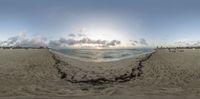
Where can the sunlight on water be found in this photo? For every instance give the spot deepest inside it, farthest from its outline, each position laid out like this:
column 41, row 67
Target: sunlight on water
column 99, row 55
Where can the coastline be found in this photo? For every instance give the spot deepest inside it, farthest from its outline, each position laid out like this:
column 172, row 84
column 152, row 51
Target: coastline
column 90, row 73
column 37, row 73
column 91, row 60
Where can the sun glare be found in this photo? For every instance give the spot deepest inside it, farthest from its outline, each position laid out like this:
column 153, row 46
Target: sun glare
column 100, row 33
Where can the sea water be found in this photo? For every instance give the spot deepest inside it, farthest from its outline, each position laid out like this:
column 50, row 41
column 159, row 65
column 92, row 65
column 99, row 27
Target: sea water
column 99, row 55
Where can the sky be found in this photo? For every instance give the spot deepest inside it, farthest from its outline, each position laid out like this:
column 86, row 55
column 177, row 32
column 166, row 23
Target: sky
column 100, row 23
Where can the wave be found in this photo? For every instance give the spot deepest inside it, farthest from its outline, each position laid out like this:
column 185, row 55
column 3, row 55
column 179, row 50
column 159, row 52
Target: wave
column 102, row 54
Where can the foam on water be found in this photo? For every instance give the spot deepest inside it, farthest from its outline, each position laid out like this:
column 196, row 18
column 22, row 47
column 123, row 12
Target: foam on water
column 99, row 55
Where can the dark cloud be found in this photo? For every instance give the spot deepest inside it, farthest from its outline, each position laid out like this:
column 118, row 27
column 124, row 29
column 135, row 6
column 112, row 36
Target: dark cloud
column 101, row 42
column 54, row 43
column 67, row 41
column 134, row 42
column 77, row 35
column 72, row 35
column 90, row 41
column 113, row 43
column 143, row 42
column 11, row 40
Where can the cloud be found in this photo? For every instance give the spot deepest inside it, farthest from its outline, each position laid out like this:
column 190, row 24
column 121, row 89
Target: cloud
column 1, row 43
column 22, row 41
column 11, row 40
column 187, row 43
column 72, row 35
column 81, row 35
column 22, row 35
column 113, row 43
column 84, row 41
column 134, row 42
column 36, row 41
column 197, row 43
column 143, row 42
column 140, row 42
column 87, row 40
column 55, row 43
column 74, row 40
column 67, row 41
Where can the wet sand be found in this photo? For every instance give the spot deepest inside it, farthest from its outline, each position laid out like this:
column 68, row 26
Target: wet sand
column 39, row 73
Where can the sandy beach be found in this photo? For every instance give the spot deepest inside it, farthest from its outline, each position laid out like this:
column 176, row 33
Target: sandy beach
column 40, row 73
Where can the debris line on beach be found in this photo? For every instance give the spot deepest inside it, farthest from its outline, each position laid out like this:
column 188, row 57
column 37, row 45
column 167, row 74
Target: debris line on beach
column 136, row 71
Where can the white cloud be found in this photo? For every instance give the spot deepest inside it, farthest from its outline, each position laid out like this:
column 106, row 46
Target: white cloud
column 183, row 43
column 72, row 41
column 22, row 41
column 83, row 42
column 140, row 42
column 36, row 41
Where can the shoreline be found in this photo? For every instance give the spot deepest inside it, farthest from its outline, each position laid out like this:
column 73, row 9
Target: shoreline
column 109, row 60
column 38, row 73
column 136, row 71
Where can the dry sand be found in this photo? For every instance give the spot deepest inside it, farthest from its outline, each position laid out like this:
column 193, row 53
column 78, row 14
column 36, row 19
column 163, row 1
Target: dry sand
column 37, row 73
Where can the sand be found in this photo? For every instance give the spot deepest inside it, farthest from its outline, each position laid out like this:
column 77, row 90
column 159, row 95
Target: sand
column 96, row 73
column 39, row 73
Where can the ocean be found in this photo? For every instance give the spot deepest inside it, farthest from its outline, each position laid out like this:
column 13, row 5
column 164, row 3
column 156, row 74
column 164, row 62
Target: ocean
column 100, row 55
